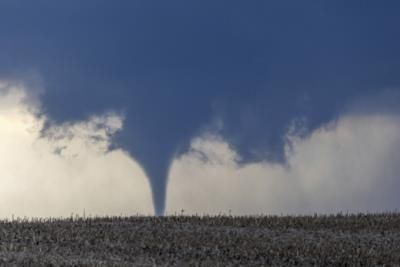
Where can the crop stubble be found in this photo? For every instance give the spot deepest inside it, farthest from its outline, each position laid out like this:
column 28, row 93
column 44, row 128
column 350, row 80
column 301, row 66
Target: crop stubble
column 352, row 240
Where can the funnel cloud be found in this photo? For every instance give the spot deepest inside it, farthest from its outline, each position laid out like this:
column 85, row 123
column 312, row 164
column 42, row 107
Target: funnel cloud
column 176, row 70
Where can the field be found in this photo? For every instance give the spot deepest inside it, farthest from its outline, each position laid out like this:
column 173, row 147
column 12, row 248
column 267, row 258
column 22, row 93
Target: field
column 347, row 240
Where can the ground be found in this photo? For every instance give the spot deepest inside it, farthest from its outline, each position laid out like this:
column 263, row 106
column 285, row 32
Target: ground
column 347, row 240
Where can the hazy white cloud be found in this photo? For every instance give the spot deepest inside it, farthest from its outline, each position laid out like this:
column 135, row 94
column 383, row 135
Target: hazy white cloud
column 349, row 165
column 68, row 170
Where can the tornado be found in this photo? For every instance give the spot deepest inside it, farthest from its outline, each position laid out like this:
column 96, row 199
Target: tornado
column 173, row 68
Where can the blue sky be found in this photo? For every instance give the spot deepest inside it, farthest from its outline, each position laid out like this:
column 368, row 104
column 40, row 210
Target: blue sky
column 177, row 69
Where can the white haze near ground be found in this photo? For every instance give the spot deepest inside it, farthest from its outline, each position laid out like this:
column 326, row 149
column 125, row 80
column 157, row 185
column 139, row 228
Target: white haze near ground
column 68, row 171
column 347, row 165
column 351, row 165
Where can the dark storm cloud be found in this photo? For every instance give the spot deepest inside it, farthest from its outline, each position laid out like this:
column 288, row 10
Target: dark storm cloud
column 173, row 67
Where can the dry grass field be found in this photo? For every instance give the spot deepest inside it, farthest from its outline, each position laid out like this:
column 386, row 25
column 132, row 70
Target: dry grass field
column 337, row 240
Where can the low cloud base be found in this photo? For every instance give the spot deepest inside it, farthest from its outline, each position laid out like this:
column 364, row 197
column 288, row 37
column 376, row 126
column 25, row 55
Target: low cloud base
column 350, row 165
